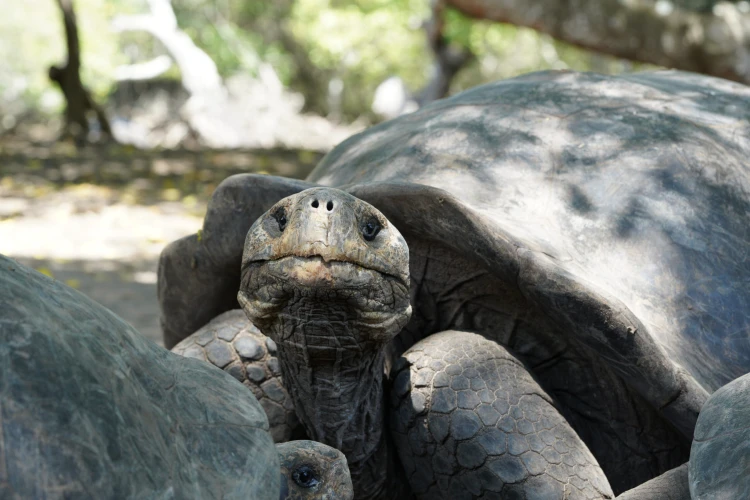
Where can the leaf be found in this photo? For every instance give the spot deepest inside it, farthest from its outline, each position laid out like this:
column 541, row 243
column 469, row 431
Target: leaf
column 170, row 194
column 45, row 271
column 73, row 283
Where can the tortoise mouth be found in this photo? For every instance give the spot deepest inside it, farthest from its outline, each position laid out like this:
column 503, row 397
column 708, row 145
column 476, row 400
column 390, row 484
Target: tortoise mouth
column 305, row 289
column 316, row 270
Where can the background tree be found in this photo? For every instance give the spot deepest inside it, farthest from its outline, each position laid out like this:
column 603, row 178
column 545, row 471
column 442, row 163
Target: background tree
column 335, row 53
column 79, row 102
column 705, row 36
column 449, row 58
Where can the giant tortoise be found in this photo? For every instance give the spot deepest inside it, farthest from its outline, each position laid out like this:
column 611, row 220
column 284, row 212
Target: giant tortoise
column 91, row 409
column 527, row 290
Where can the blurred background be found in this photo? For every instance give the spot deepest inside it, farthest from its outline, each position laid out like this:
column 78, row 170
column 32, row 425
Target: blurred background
column 118, row 118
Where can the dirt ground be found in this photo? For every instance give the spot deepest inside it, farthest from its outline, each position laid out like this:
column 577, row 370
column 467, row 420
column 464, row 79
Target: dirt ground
column 98, row 219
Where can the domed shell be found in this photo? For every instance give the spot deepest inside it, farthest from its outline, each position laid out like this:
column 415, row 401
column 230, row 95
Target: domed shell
column 89, row 408
column 635, row 188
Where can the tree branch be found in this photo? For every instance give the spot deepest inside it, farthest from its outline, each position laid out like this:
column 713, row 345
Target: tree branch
column 449, row 60
column 714, row 42
column 199, row 73
column 144, row 71
column 71, row 34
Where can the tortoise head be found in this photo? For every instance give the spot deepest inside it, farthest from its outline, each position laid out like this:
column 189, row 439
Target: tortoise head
column 314, row 471
column 322, row 257
column 326, row 276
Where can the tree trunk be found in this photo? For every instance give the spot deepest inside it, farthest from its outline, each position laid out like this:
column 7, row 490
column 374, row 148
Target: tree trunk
column 77, row 98
column 712, row 41
column 449, row 60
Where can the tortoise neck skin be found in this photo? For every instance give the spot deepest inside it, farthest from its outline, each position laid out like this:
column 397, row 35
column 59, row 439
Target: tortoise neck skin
column 326, row 277
column 336, row 382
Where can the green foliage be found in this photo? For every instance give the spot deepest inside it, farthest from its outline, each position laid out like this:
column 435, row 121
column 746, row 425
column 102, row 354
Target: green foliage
column 375, row 38
column 239, row 35
column 505, row 51
column 363, row 43
column 31, row 44
column 308, row 42
column 27, row 49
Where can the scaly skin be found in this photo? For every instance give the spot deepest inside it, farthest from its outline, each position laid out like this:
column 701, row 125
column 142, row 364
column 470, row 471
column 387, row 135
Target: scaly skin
column 235, row 345
column 332, row 300
column 469, row 421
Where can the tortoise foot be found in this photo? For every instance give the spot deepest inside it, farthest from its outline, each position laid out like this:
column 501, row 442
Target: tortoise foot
column 469, row 421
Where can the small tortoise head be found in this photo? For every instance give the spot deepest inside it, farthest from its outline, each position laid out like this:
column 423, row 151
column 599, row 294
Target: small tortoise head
column 313, row 471
column 324, row 246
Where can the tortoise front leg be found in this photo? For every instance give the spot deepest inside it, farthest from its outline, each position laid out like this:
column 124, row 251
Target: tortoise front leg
column 231, row 342
column 469, row 421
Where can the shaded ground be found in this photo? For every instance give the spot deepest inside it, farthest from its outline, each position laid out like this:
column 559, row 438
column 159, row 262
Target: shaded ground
column 97, row 219
column 127, row 288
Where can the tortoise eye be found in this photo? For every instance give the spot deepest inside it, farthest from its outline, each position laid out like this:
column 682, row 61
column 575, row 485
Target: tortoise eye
column 305, row 476
column 370, row 228
column 280, row 216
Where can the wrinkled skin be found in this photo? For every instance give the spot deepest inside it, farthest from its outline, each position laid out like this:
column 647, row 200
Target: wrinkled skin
column 313, row 471
column 331, row 300
column 672, row 485
column 235, row 345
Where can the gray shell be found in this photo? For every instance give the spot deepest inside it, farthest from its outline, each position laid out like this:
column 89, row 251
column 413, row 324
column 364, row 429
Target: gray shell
column 629, row 192
column 91, row 409
column 720, row 456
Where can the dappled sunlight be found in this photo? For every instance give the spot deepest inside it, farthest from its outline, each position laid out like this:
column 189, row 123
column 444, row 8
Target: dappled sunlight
column 585, row 220
column 106, row 249
column 637, row 186
column 126, row 287
column 97, row 219
column 90, row 229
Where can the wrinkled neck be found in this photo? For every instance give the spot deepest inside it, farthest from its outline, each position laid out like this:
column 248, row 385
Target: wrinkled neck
column 335, row 378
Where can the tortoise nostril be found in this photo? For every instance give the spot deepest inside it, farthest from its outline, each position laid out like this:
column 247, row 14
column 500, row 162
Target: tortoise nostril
column 329, row 206
column 315, row 204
